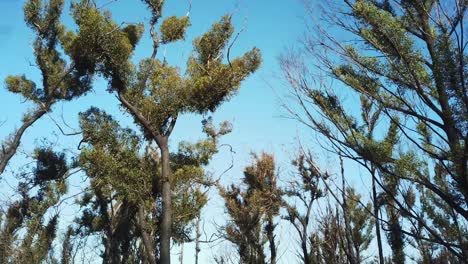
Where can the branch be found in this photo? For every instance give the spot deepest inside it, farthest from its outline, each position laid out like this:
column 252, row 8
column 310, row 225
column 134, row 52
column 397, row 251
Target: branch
column 232, row 44
column 60, row 128
column 9, row 148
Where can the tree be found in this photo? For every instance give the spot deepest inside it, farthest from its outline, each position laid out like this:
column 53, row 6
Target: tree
column 61, row 81
column 408, row 60
column 337, row 236
column 252, row 211
column 358, row 224
column 124, row 199
column 29, row 226
column 155, row 93
column 305, row 190
column 342, row 235
column 120, row 184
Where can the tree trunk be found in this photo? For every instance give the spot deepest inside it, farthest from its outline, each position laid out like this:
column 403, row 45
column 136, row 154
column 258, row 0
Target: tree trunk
column 67, row 247
column 111, row 253
column 181, row 257
column 166, row 219
column 197, row 240
column 376, row 216
column 271, row 239
column 305, row 251
column 146, row 238
column 348, row 234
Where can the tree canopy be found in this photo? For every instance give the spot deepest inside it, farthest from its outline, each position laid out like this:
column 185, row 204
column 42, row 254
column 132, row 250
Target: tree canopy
column 380, row 85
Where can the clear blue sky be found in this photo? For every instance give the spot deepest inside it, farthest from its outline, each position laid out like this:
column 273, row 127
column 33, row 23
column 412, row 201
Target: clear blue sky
column 271, row 25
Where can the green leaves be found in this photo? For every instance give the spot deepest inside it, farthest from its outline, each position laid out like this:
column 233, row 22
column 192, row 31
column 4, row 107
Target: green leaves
column 59, row 80
column 101, row 46
column 155, row 6
column 209, row 47
column 31, row 212
column 98, row 127
column 173, row 28
column 112, row 157
column 44, row 18
column 361, row 221
column 214, row 82
column 253, row 208
column 389, row 35
column 121, row 171
column 159, row 93
column 50, row 165
column 134, row 33
column 211, row 81
column 20, row 84
column 33, row 13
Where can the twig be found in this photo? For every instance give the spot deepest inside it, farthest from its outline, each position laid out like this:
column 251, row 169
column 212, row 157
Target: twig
column 60, row 128
column 189, row 8
column 106, row 4
column 232, row 43
column 232, row 162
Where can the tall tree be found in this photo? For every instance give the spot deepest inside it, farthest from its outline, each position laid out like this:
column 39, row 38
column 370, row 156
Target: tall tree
column 344, row 234
column 30, row 224
column 120, row 202
column 333, row 236
column 358, row 224
column 407, row 58
column 304, row 191
column 252, row 211
column 62, row 78
column 155, row 93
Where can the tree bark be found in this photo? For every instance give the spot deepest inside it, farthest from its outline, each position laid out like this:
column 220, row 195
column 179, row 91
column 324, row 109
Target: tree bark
column 181, row 257
column 197, row 240
column 271, row 239
column 377, row 221
column 305, row 252
column 351, row 255
column 166, row 218
column 146, row 238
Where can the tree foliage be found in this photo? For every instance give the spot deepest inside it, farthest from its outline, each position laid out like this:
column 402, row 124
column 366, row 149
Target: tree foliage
column 29, row 226
column 252, row 211
column 406, row 63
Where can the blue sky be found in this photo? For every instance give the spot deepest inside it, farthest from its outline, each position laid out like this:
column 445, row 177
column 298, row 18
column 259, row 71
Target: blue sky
column 269, row 25
column 255, row 112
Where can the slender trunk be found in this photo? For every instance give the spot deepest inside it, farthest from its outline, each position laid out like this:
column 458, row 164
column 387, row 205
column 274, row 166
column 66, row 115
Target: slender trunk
column 397, row 243
column 271, row 239
column 377, row 220
column 259, row 257
column 146, row 238
column 67, row 247
column 110, row 248
column 181, row 257
column 197, row 240
column 305, row 252
column 166, row 219
column 142, row 254
column 111, row 254
column 348, row 234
